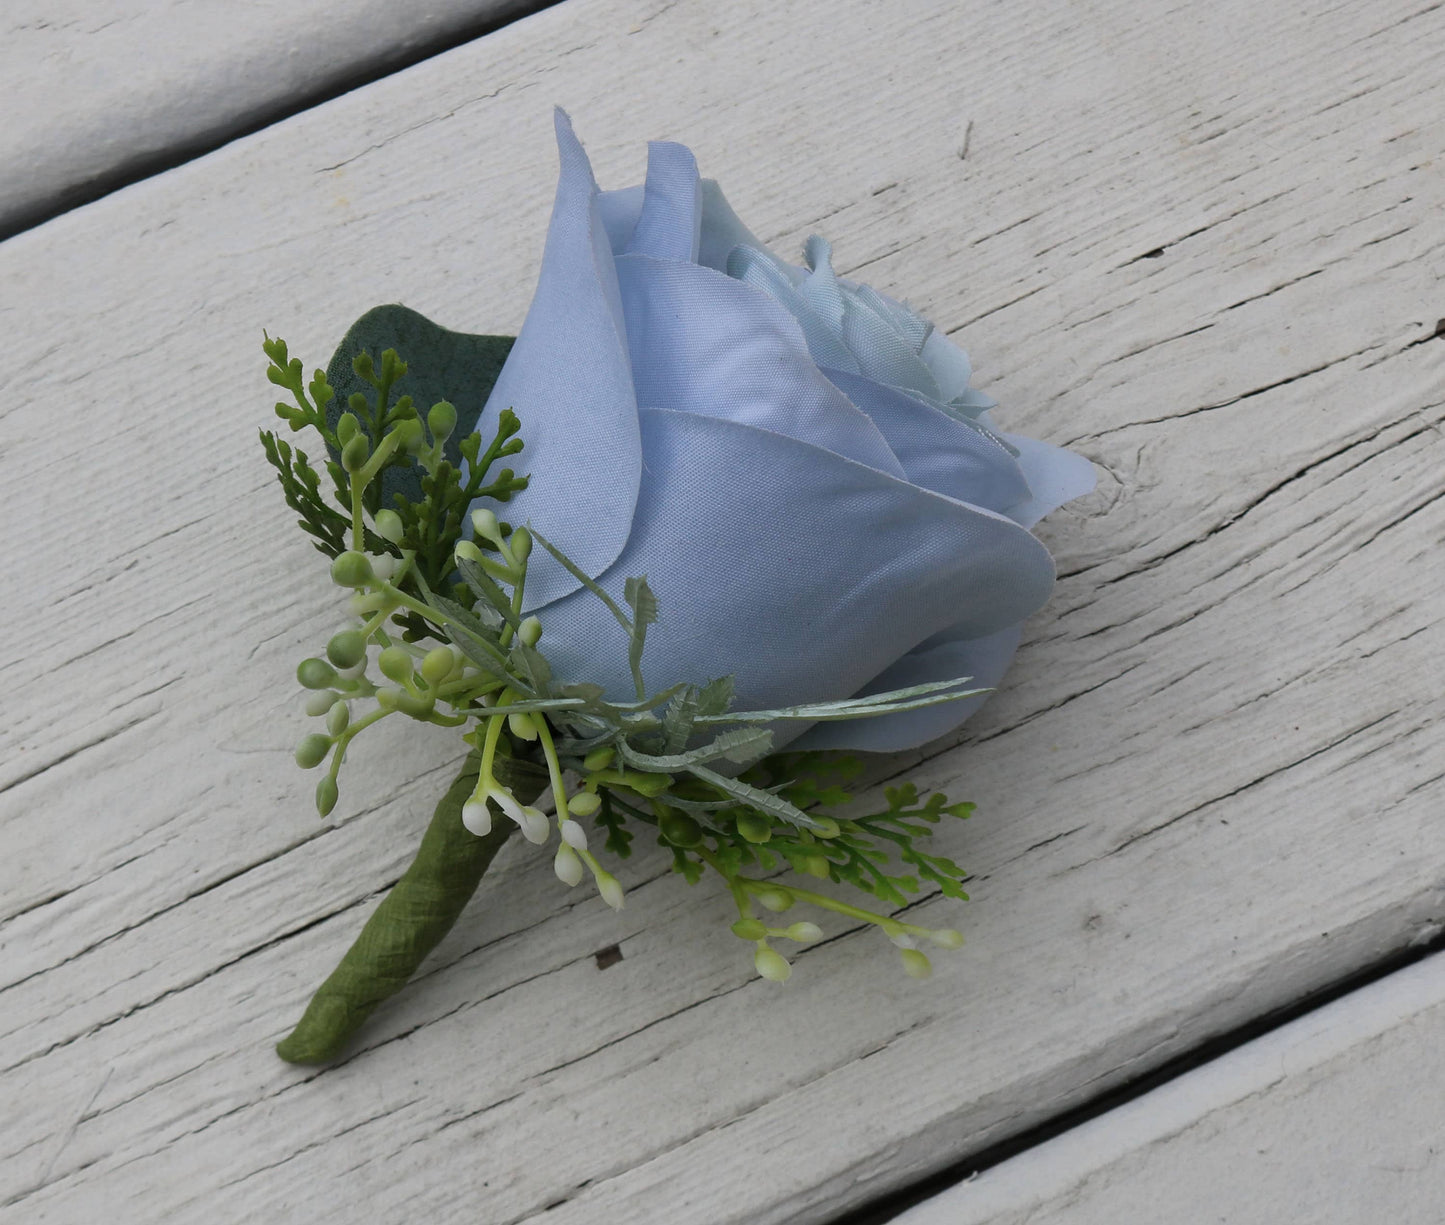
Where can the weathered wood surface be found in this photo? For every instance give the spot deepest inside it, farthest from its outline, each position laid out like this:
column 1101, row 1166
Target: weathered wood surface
column 99, row 92
column 1330, row 1119
column 1203, row 245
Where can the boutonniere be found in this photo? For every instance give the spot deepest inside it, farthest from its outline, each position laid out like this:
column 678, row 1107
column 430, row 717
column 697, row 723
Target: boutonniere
column 707, row 516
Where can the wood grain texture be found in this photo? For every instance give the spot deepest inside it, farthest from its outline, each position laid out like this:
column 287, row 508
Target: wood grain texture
column 1202, row 245
column 1326, row 1120
column 99, row 93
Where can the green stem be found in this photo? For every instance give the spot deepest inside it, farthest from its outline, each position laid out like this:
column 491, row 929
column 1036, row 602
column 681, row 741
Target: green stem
column 823, row 902
column 435, row 614
column 420, row 909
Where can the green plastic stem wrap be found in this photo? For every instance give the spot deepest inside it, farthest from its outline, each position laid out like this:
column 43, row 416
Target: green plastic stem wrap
column 411, row 921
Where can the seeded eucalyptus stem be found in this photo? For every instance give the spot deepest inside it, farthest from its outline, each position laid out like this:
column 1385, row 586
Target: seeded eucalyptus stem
column 439, row 617
column 412, row 919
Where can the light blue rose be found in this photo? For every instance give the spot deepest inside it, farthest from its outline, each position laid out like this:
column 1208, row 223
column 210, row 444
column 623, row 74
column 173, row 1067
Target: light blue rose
column 796, row 463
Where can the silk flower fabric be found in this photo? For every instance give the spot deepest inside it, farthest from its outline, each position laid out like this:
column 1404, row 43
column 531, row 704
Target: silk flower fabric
column 808, row 529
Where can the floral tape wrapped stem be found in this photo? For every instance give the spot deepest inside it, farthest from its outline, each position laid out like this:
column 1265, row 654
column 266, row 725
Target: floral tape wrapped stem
column 420, row 909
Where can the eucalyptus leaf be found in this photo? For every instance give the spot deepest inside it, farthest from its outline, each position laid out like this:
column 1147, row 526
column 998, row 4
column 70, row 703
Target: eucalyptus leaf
column 442, row 365
column 576, row 572
column 533, row 665
column 716, row 697
column 644, row 612
column 641, row 600
column 742, row 745
column 913, row 698
column 678, row 719
column 468, row 645
column 756, row 797
column 483, row 620
column 531, row 705
column 487, row 590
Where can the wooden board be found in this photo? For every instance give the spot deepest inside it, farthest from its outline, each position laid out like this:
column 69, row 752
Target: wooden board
column 1329, row 1119
column 1204, row 246
column 97, row 94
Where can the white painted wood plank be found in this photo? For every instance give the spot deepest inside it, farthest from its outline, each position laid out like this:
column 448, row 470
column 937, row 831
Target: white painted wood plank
column 1212, row 782
column 96, row 92
column 1333, row 1119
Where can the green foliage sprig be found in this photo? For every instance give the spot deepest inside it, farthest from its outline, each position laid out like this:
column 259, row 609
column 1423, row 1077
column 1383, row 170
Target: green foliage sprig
column 438, row 635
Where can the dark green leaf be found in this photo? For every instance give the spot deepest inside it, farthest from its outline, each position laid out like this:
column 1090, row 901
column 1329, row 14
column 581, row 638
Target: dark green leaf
column 440, row 365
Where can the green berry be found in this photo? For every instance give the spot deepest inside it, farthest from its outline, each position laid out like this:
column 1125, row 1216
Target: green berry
column 915, row 964
column 755, row 827
column 805, row 933
column 772, row 965
column 584, row 803
column 346, row 649
column 326, row 794
column 484, row 523
column 681, row 830
column 389, row 526
column 437, row 665
column 776, row 900
column 816, row 865
column 395, row 664
column 351, row 569
column 355, row 453
column 530, row 631
column 347, row 427
column 750, row 929
column 441, row 420
column 319, row 703
column 312, row 750
column 315, row 674
column 521, row 544
column 337, row 718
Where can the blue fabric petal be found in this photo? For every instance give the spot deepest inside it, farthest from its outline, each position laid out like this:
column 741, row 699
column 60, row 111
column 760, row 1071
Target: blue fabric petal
column 620, row 211
column 671, row 220
column 801, row 573
column 821, row 290
column 949, row 365
column 720, row 230
column 815, row 533
column 882, row 352
column 770, row 276
column 704, row 343
column 937, row 451
column 569, row 379
column 1054, row 476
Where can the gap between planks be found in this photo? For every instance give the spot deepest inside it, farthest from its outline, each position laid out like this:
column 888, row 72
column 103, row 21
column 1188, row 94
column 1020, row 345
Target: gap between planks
column 81, row 129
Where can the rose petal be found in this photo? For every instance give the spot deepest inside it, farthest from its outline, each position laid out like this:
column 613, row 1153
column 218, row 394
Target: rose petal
column 948, row 363
column 721, row 229
column 937, row 451
column 799, row 572
column 670, row 223
column 568, row 378
column 1054, row 476
column 770, row 276
column 704, row 343
column 620, row 210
